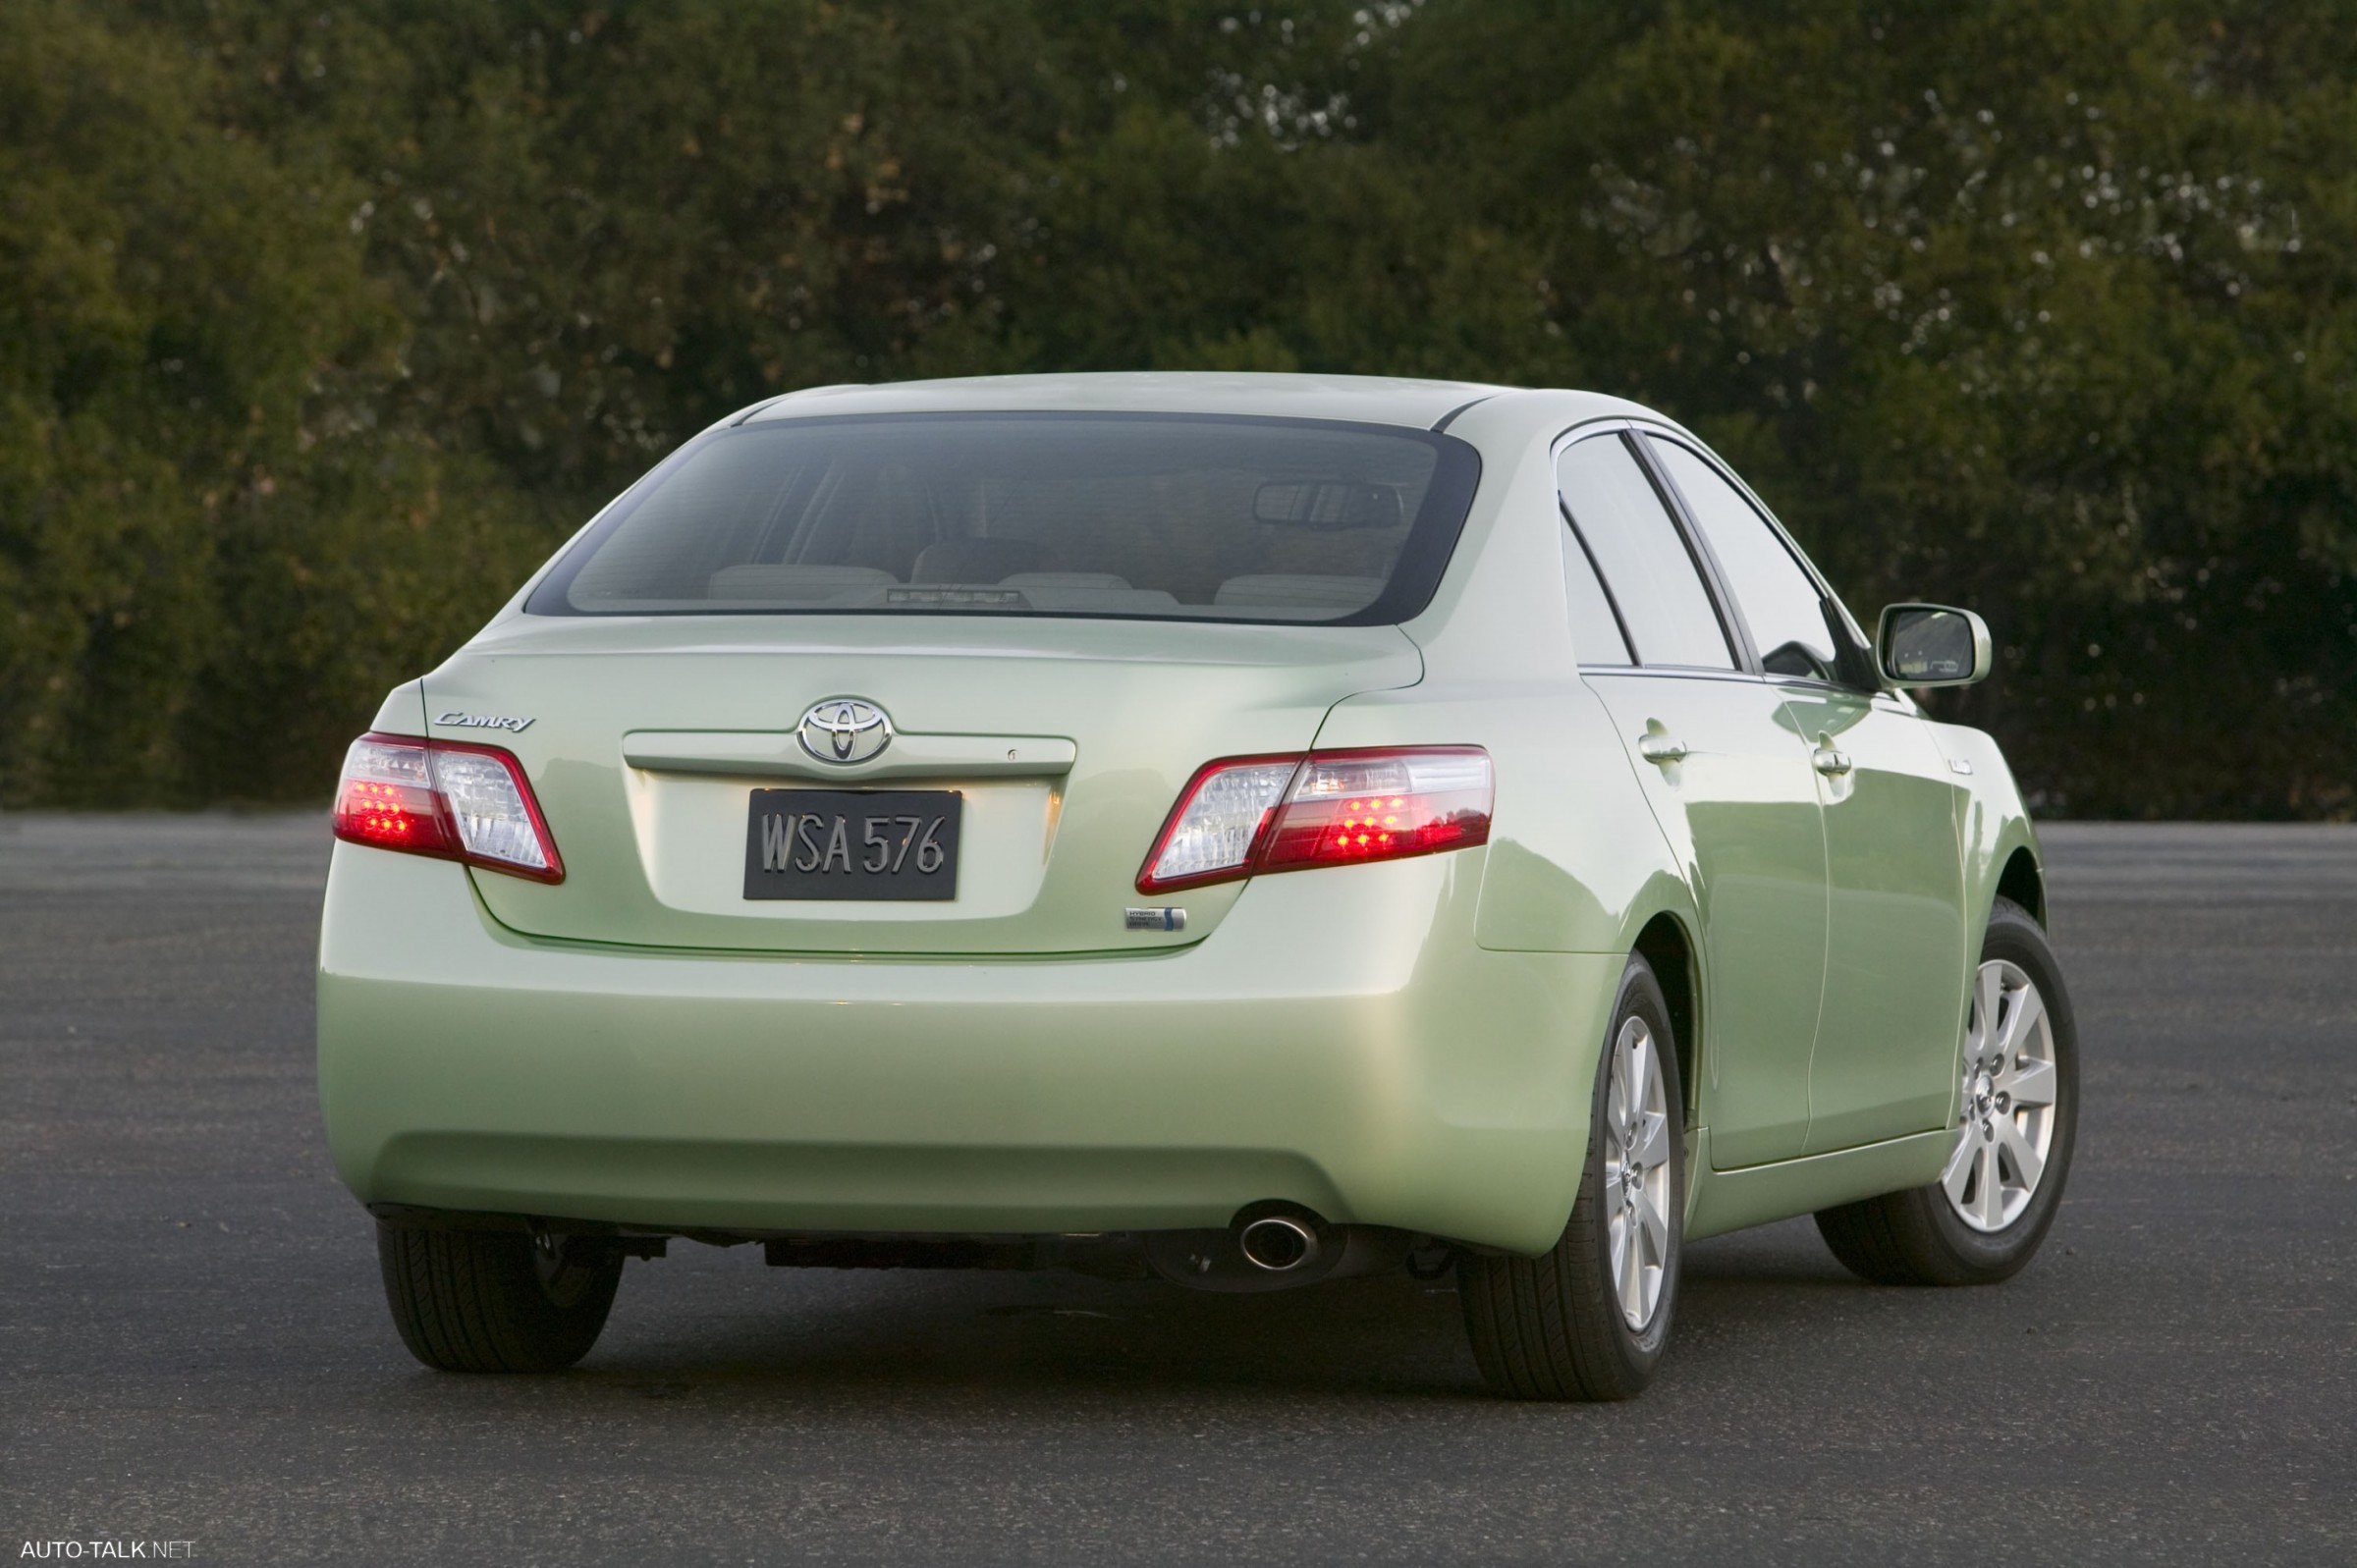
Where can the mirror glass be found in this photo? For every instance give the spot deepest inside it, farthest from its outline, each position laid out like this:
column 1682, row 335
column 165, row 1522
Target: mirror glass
column 1929, row 644
column 1326, row 505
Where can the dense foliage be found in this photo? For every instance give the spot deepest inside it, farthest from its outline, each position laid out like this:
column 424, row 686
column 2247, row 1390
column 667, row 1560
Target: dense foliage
column 320, row 326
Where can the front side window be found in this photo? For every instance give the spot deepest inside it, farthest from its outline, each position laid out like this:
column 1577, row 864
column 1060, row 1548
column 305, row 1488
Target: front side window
column 1643, row 558
column 1157, row 516
column 1780, row 601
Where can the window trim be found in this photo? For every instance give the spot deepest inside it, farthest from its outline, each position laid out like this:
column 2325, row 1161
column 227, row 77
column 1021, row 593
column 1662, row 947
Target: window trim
column 1723, row 587
column 1706, row 567
column 1776, row 529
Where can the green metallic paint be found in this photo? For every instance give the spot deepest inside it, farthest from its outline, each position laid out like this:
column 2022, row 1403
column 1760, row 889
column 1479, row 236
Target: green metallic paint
column 1992, row 823
column 1355, row 1054
column 1740, row 812
column 1732, row 1199
column 1409, row 1044
column 654, row 855
column 1897, row 961
column 1564, row 800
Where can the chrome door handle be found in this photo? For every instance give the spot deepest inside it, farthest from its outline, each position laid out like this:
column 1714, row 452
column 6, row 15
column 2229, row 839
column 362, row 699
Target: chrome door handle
column 1661, row 748
column 1833, row 764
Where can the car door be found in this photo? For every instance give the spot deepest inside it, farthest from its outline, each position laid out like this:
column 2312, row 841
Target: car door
column 1727, row 780
column 1896, row 961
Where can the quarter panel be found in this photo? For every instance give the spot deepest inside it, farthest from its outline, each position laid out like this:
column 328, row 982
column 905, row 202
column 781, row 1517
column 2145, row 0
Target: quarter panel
column 1575, row 859
column 403, row 712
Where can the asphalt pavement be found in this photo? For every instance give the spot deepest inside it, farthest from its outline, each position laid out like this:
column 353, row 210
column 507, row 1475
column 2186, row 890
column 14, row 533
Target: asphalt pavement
column 193, row 1348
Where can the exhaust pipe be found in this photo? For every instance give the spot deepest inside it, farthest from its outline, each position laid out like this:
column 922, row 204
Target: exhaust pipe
column 1278, row 1243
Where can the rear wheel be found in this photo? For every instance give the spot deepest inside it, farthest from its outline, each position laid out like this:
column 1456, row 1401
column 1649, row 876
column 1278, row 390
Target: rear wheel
column 1589, row 1319
column 2018, row 1090
column 496, row 1301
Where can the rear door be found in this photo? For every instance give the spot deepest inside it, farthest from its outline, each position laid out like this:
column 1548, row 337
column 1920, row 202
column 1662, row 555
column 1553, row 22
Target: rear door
column 1896, row 962
column 1729, row 781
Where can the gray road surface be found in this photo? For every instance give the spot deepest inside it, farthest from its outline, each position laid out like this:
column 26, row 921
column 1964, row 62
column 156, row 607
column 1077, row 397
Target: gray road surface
column 193, row 1345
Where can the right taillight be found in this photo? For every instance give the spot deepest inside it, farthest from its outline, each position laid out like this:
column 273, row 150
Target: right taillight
column 1248, row 816
column 447, row 800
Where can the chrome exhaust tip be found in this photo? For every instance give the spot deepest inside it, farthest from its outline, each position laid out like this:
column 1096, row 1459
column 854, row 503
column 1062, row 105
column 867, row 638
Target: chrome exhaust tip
column 1278, row 1243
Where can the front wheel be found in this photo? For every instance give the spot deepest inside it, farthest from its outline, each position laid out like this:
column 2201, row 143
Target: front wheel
column 1590, row 1318
column 2018, row 1096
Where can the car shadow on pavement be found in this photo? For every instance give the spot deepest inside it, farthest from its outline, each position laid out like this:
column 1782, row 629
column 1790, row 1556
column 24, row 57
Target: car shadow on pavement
column 709, row 1326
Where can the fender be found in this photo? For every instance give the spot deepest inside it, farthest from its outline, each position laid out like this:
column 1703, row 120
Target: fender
column 1992, row 824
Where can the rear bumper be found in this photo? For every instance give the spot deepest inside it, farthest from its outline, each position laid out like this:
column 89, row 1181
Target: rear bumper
column 1338, row 1041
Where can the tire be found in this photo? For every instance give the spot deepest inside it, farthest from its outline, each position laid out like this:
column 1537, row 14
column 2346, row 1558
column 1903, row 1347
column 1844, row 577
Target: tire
column 1973, row 1226
column 1554, row 1327
column 496, row 1301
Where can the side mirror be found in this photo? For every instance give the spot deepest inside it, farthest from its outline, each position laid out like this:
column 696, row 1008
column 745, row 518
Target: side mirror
column 1932, row 645
column 1326, row 505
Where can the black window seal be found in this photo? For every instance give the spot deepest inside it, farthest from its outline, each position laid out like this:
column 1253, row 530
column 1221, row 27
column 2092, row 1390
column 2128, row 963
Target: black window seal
column 1450, row 419
column 1612, row 602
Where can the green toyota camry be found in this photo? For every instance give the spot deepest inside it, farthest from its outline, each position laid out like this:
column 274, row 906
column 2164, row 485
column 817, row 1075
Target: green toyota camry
column 1241, row 829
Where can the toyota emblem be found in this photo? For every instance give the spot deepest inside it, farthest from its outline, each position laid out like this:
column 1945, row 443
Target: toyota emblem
column 843, row 730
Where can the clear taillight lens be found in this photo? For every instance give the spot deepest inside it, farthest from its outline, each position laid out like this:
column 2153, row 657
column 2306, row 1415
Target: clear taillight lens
column 440, row 797
column 1249, row 816
column 1220, row 817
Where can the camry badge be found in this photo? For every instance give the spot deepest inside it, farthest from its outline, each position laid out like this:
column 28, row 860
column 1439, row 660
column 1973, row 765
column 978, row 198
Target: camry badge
column 484, row 720
column 843, row 730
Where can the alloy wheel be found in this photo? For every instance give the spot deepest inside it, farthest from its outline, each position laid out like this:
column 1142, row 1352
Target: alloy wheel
column 2008, row 1124
column 1636, row 1173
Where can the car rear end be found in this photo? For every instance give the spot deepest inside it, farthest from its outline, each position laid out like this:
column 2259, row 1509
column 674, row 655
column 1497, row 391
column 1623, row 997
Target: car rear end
column 932, row 826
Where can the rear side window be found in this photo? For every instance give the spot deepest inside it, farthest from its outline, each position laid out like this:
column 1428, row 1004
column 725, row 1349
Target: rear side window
column 1642, row 556
column 1781, row 602
column 1595, row 627
column 1157, row 516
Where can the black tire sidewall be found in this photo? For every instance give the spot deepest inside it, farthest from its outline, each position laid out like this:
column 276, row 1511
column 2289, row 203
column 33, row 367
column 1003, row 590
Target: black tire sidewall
column 475, row 1302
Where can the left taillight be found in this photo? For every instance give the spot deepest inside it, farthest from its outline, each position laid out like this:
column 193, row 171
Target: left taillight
column 447, row 799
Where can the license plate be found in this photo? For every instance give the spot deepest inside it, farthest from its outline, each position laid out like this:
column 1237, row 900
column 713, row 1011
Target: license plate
column 852, row 844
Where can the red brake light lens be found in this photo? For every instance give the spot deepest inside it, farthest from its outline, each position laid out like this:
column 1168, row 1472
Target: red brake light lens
column 1249, row 816
column 440, row 797
column 387, row 797
column 1347, row 806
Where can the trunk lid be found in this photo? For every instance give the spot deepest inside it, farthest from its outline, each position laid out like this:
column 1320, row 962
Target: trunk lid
column 1068, row 742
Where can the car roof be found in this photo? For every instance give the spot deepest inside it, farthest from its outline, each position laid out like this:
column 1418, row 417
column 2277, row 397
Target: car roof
column 1373, row 400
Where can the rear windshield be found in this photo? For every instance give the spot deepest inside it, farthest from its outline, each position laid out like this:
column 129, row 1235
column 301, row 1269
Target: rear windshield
column 1155, row 516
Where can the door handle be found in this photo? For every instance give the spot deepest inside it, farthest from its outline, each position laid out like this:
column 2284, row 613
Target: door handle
column 1661, row 748
column 1833, row 764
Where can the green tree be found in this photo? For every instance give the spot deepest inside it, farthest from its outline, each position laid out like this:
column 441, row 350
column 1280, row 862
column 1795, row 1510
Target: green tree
column 318, row 328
